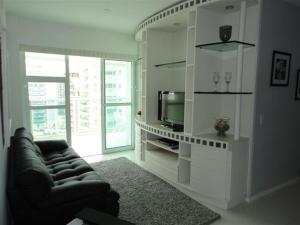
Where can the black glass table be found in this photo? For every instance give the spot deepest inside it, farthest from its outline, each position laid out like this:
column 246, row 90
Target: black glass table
column 93, row 217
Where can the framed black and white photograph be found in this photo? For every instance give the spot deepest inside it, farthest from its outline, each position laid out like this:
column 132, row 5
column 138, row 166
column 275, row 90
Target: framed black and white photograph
column 280, row 68
column 297, row 94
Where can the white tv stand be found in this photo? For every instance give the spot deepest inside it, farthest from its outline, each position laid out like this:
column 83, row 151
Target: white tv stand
column 207, row 168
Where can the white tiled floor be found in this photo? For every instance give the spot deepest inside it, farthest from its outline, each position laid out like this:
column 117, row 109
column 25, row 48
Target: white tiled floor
column 280, row 208
column 128, row 154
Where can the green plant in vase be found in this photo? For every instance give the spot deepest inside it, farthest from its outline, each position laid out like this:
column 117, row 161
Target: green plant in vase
column 221, row 126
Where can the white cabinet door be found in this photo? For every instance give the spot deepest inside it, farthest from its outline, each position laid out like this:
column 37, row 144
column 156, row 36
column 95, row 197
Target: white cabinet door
column 208, row 171
column 138, row 143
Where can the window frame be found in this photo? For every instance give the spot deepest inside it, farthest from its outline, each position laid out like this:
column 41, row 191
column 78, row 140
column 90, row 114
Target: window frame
column 104, row 104
column 45, row 79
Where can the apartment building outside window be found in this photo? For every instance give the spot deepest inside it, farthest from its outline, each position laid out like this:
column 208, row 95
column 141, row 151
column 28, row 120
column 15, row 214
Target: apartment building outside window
column 64, row 98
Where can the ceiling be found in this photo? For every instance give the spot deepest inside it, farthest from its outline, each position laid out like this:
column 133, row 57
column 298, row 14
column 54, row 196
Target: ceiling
column 117, row 15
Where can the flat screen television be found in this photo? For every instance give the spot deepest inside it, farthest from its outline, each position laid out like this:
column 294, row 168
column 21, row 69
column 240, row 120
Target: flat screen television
column 171, row 109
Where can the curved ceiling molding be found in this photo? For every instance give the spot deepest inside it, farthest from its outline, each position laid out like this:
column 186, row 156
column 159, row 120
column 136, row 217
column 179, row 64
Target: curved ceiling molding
column 173, row 9
column 179, row 7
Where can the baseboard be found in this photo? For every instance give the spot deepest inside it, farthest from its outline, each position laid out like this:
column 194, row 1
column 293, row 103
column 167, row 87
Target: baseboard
column 272, row 190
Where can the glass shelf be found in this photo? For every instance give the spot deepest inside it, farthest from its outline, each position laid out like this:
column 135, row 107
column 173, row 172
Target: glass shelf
column 225, row 46
column 222, row 93
column 172, row 65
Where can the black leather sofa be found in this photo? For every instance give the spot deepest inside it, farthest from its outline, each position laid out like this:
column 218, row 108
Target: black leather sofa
column 48, row 183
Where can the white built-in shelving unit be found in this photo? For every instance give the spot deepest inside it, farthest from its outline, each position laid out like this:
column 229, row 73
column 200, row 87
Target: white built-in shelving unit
column 180, row 50
column 190, row 71
column 144, row 75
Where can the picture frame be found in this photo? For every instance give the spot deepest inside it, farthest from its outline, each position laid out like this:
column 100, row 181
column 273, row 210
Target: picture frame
column 297, row 91
column 281, row 66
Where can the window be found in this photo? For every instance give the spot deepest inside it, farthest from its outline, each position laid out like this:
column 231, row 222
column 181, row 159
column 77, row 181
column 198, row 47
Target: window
column 64, row 100
column 45, row 65
column 46, row 96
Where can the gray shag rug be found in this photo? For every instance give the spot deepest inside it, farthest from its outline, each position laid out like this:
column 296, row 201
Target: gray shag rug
column 148, row 200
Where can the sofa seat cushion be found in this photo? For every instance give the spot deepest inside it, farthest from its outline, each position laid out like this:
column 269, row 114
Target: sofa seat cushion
column 68, row 168
column 51, row 165
column 87, row 177
column 87, row 185
column 60, row 156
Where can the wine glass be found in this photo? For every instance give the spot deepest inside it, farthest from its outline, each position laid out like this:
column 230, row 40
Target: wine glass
column 216, row 79
column 228, row 76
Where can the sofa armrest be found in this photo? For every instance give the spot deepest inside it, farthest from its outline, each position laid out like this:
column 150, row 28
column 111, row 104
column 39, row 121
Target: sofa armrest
column 52, row 145
column 74, row 191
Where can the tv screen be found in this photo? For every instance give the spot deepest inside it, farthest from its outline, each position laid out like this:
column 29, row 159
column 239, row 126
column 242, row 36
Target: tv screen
column 171, row 107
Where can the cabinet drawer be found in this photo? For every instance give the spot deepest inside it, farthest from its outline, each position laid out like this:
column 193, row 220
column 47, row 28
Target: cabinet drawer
column 166, row 160
column 166, row 169
column 209, row 167
column 208, row 153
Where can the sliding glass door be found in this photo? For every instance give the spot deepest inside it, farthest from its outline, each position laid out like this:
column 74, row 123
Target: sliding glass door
column 85, row 104
column 84, row 100
column 118, row 105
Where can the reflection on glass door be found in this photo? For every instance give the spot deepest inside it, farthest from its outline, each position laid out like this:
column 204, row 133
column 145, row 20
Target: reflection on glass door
column 118, row 104
column 85, row 104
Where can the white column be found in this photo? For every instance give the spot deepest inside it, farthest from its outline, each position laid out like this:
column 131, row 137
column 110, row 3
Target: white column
column 240, row 57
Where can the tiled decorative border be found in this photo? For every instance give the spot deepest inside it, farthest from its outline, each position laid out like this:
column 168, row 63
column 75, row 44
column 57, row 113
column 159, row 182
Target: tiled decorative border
column 170, row 11
column 183, row 138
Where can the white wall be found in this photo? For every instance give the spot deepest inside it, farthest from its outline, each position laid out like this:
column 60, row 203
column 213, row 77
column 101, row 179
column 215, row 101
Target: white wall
column 45, row 34
column 3, row 150
column 276, row 140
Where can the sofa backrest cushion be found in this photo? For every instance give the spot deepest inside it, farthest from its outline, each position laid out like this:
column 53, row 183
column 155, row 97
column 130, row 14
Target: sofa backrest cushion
column 25, row 135
column 22, row 132
column 31, row 174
